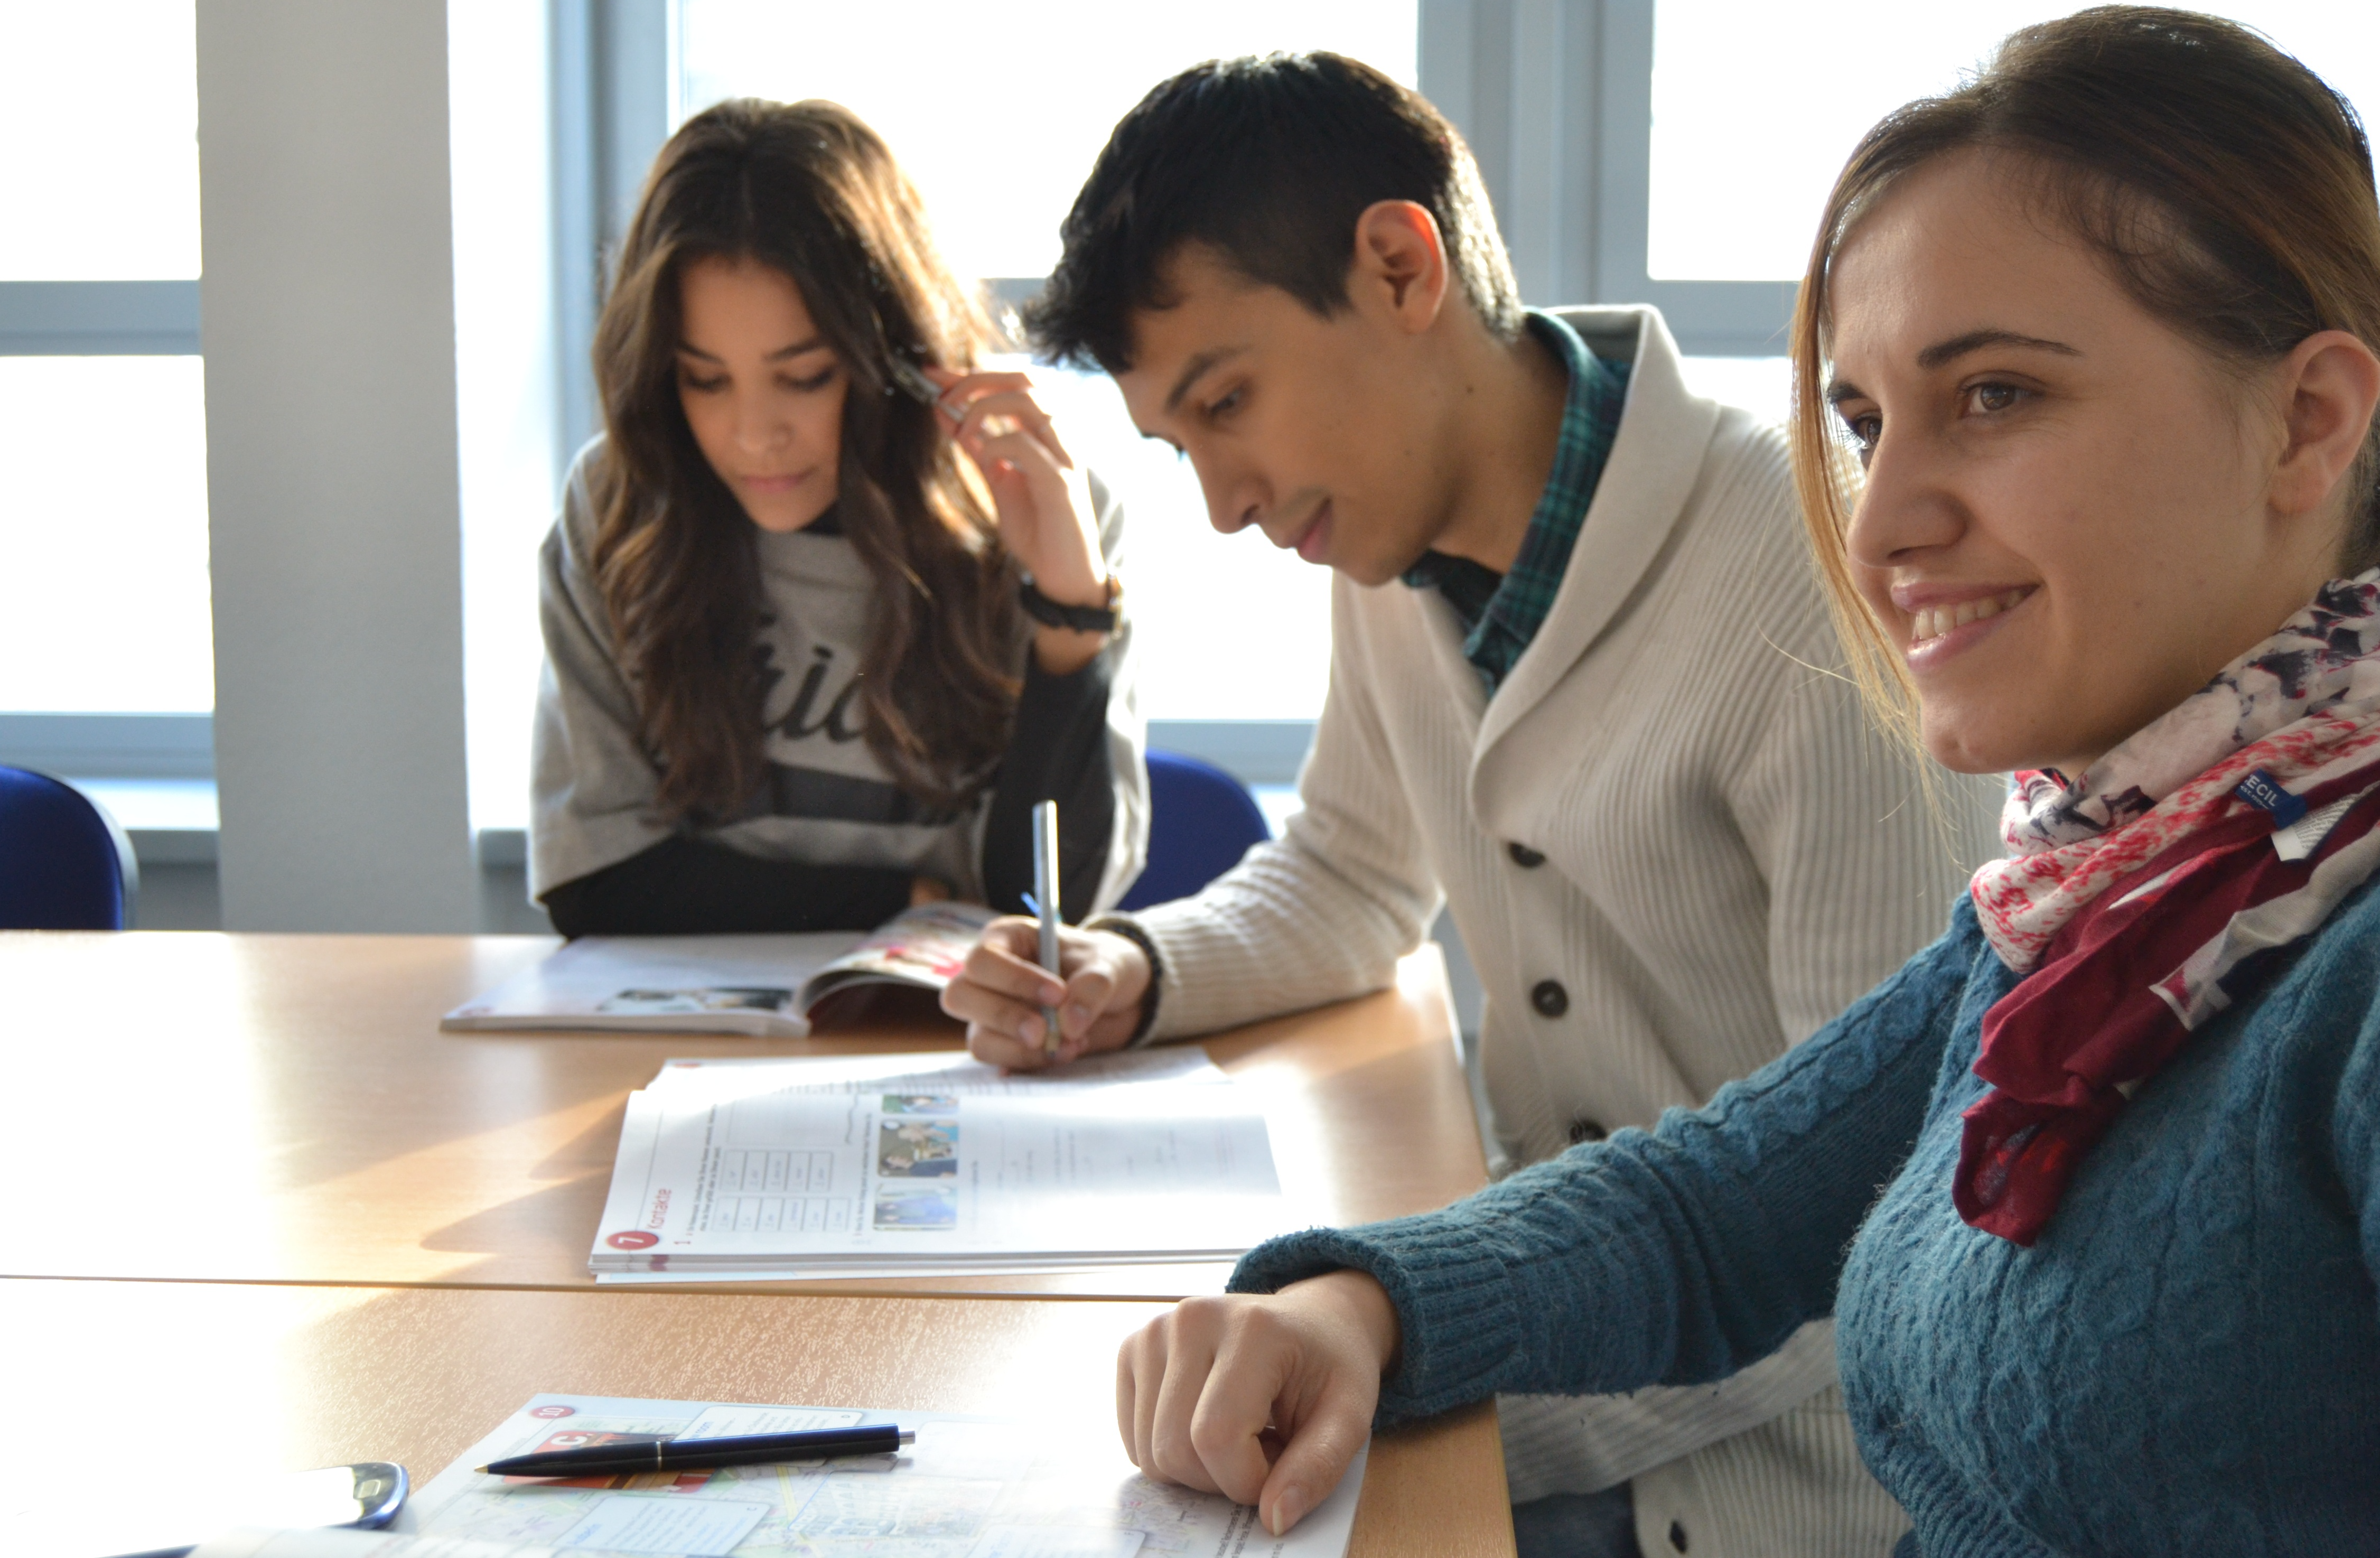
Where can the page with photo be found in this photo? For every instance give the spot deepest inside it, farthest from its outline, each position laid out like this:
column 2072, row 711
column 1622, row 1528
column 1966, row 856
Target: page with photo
column 817, row 1181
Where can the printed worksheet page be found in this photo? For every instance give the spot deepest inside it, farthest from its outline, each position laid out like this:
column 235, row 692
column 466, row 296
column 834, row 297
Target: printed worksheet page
column 941, row 1071
column 793, row 1178
column 969, row 1488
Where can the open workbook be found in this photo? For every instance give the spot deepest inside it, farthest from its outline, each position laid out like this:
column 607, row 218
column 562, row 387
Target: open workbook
column 766, row 986
column 967, row 1488
column 926, row 1164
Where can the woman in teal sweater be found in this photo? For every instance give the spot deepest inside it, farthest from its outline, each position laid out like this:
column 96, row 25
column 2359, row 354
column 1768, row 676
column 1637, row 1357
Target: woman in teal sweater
column 2099, row 327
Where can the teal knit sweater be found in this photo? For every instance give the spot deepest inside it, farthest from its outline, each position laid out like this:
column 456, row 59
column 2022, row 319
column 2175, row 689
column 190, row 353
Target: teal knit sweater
column 2187, row 1361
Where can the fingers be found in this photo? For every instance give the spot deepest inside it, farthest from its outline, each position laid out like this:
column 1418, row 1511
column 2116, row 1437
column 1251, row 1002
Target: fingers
column 1002, row 991
column 1203, row 1392
column 1005, row 1048
column 1319, row 1451
column 1003, row 962
column 1235, row 1405
column 1171, row 1361
column 969, row 400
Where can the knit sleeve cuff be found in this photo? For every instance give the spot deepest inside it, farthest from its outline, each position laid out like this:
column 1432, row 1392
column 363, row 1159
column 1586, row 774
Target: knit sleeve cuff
column 1456, row 1340
column 1122, row 925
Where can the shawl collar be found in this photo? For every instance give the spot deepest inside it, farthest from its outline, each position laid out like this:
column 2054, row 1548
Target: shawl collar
column 1654, row 464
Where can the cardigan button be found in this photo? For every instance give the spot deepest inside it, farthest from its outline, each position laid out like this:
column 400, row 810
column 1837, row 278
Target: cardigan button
column 1550, row 998
column 1524, row 857
column 1677, row 1536
column 1584, row 1129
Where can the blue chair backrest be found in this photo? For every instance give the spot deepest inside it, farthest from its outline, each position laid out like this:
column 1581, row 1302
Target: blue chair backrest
column 64, row 863
column 1201, row 821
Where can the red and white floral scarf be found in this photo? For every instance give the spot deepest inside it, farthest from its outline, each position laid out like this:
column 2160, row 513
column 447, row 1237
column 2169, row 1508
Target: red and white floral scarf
column 2231, row 825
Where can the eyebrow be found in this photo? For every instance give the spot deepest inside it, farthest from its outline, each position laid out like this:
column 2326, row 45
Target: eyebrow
column 1957, row 347
column 780, row 354
column 1196, row 369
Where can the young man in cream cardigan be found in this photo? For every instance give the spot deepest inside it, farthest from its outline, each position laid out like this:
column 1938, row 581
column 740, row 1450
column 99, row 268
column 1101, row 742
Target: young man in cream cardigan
column 1577, row 687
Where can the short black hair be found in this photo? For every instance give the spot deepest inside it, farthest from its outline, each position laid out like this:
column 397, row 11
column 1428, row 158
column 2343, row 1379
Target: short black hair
column 1269, row 162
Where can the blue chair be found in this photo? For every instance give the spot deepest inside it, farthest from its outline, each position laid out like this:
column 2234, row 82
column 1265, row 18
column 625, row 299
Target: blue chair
column 64, row 863
column 1201, row 821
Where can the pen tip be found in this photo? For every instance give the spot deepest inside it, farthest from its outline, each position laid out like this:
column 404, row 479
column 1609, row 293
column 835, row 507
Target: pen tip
column 908, row 1436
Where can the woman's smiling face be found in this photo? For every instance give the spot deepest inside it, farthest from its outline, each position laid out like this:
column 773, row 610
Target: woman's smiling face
column 2073, row 517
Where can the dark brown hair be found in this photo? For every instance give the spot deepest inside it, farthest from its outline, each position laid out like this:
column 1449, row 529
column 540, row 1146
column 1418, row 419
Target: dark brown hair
column 1268, row 162
column 810, row 191
column 2226, row 187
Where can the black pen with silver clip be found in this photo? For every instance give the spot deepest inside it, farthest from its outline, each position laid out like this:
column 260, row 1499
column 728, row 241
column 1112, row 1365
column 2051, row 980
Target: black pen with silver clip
column 697, row 1455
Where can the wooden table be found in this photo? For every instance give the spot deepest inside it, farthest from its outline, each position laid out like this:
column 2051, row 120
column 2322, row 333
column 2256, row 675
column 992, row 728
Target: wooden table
column 284, row 1109
column 358, row 1237
column 270, row 1377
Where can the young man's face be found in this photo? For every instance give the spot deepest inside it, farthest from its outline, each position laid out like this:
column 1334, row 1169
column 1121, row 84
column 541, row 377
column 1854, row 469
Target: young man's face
column 1324, row 434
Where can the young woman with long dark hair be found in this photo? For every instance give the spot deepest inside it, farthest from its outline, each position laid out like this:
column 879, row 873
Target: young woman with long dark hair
column 828, row 609
column 2085, row 370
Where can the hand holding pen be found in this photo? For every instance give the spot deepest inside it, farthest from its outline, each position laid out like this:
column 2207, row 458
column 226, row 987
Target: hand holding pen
column 1003, row 990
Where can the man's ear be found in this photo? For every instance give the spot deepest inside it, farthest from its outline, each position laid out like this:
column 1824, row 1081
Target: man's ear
column 2327, row 388
column 1399, row 267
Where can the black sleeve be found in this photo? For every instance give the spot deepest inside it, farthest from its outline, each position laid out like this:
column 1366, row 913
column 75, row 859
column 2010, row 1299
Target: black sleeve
column 685, row 886
column 1059, row 751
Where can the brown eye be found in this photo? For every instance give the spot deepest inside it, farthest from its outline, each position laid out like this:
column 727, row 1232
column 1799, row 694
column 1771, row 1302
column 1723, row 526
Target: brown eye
column 1863, row 429
column 1989, row 398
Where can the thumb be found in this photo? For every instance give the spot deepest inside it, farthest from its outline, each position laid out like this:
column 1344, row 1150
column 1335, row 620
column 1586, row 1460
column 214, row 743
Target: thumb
column 1317, row 1454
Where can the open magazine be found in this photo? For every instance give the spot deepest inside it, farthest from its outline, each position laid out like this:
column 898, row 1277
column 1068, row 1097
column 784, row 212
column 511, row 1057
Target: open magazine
column 770, row 987
column 967, row 1488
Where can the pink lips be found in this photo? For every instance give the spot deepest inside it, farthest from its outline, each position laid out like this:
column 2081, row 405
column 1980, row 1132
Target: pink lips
column 775, row 483
column 1953, row 619
column 1315, row 540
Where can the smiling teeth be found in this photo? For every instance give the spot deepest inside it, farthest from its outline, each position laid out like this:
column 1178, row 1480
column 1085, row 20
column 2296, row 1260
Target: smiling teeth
column 1932, row 622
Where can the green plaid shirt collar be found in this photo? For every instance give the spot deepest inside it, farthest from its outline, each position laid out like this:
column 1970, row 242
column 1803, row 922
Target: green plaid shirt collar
column 1501, row 612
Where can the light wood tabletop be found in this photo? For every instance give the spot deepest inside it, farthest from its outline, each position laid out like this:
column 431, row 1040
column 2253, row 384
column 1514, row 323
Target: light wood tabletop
column 279, row 1378
column 272, row 1108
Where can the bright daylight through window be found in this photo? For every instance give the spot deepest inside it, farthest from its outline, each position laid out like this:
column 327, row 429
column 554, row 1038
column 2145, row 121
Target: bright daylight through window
column 104, row 512
column 1230, row 628
column 1756, row 103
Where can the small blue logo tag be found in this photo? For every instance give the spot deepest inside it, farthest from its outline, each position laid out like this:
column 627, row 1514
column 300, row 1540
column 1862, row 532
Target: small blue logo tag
column 2263, row 792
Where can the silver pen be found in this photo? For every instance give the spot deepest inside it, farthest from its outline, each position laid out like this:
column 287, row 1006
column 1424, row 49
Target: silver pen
column 1045, row 904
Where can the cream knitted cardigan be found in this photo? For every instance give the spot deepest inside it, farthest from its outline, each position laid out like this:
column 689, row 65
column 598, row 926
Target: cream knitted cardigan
column 1729, row 855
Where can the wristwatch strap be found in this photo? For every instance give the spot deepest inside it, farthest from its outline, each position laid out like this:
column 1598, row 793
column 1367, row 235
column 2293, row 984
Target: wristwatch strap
column 1082, row 619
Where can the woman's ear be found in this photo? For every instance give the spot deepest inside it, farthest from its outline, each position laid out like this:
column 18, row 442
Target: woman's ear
column 1400, row 266
column 2326, row 388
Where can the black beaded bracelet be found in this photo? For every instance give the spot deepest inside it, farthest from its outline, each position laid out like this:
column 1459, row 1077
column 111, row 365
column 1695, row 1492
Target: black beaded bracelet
column 1081, row 619
column 1131, row 932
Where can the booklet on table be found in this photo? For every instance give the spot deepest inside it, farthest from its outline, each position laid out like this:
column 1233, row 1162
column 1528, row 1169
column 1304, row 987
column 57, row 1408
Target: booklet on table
column 770, row 987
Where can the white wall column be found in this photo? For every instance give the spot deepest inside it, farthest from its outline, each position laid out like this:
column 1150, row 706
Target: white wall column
column 328, row 322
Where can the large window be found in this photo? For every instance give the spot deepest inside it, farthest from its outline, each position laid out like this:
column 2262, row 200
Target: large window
column 999, row 128
column 103, row 610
